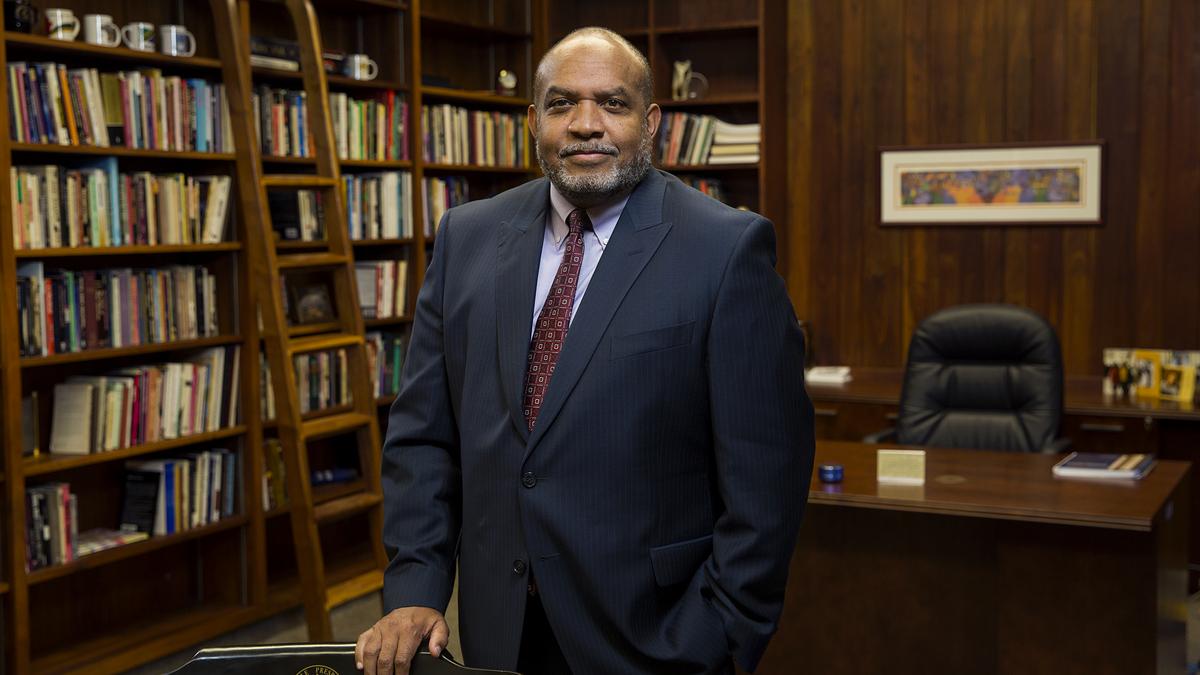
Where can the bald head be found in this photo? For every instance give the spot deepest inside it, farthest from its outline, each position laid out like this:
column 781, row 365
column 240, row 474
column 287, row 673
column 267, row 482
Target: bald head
column 590, row 39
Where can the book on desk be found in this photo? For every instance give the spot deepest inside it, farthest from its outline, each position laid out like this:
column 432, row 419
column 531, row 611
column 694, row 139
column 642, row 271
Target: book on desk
column 1104, row 465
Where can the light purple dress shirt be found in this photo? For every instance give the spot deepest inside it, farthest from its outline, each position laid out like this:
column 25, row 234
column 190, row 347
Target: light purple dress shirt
column 604, row 220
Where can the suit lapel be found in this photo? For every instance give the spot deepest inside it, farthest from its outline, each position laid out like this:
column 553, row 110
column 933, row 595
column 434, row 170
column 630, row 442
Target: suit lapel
column 518, row 257
column 638, row 233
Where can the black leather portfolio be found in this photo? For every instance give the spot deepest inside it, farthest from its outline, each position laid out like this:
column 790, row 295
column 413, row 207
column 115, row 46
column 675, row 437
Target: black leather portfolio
column 330, row 659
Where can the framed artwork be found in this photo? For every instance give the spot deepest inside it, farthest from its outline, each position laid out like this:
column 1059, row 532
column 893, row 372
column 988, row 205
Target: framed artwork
column 1013, row 184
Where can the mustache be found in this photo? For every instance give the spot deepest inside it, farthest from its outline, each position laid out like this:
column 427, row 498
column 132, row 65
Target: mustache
column 581, row 148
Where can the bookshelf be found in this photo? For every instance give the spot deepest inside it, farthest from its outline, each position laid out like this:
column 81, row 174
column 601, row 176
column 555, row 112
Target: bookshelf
column 86, row 613
column 207, row 580
column 740, row 47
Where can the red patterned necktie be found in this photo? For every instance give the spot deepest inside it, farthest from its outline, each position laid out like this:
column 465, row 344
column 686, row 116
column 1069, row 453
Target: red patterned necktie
column 554, row 319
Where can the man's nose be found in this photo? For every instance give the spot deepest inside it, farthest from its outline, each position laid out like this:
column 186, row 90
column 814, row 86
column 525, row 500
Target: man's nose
column 587, row 122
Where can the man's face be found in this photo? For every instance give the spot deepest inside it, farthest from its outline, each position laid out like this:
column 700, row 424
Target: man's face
column 593, row 132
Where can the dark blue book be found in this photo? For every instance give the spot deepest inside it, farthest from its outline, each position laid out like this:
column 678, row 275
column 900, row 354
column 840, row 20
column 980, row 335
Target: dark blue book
column 1104, row 465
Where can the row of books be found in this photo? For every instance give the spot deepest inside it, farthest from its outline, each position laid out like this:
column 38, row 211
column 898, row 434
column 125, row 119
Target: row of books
column 378, row 205
column 297, row 215
column 382, row 288
column 442, row 194
column 373, row 128
column 690, row 139
column 281, row 121
column 709, row 186
column 49, row 103
column 322, row 381
column 176, row 494
column 385, row 357
column 455, row 135
column 62, row 311
column 51, row 533
column 96, row 206
column 134, row 406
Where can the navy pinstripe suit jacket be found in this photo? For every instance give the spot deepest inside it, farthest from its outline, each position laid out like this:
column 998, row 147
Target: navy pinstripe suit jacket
column 658, row 497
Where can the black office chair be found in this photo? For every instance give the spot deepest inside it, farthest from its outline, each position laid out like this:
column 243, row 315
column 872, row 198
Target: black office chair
column 318, row 659
column 985, row 377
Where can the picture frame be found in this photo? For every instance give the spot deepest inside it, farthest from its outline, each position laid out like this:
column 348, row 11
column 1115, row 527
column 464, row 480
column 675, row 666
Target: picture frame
column 998, row 184
column 310, row 302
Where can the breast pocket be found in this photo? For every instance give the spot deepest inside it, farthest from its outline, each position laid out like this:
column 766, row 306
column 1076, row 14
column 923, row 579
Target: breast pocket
column 656, row 339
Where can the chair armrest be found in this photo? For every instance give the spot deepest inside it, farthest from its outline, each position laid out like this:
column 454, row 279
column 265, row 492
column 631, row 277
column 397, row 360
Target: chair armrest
column 1057, row 446
column 885, row 436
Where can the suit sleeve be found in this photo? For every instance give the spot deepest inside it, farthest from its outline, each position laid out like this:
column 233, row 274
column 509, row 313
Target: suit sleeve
column 762, row 425
column 422, row 482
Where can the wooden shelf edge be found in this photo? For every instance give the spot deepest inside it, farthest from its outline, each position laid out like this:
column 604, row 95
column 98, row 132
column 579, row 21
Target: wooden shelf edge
column 136, row 350
column 699, row 168
column 737, row 26
column 711, row 101
column 112, row 555
column 117, row 53
column 451, row 94
column 119, row 151
column 50, row 463
column 366, row 243
column 387, row 321
column 476, row 168
column 156, row 249
column 377, row 163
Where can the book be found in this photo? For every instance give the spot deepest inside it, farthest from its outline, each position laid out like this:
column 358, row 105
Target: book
column 71, row 428
column 1104, row 465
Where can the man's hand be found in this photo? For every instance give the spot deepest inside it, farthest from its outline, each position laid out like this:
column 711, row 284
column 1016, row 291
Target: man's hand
column 389, row 645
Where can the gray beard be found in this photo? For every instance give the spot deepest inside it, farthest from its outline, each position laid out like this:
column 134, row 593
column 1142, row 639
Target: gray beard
column 589, row 190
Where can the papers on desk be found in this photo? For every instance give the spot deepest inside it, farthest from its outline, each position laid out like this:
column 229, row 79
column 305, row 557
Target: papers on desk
column 827, row 375
column 1104, row 465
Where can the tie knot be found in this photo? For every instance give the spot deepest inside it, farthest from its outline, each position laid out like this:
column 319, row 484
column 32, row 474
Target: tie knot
column 578, row 221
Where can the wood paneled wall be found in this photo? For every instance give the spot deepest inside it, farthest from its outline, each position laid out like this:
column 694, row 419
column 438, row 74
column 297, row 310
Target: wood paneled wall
column 869, row 73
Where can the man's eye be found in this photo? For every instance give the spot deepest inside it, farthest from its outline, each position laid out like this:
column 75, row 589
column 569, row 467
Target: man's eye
column 558, row 103
column 614, row 103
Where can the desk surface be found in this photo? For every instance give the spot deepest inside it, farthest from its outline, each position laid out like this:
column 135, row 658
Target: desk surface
column 998, row 485
column 1081, row 396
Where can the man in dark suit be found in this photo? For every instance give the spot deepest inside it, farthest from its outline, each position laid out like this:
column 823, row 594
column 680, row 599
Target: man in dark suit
column 603, row 418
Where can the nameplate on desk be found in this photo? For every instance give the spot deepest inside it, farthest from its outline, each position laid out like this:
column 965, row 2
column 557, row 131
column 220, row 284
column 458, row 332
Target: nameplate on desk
column 900, row 467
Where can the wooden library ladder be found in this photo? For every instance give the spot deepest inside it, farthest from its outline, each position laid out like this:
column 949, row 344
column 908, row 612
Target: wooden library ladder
column 268, row 267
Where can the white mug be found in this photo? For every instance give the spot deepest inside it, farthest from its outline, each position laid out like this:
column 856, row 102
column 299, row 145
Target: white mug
column 61, row 24
column 360, row 67
column 176, row 40
column 99, row 29
column 139, row 35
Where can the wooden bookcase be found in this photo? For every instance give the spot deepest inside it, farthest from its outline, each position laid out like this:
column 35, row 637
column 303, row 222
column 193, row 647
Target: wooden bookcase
column 130, row 605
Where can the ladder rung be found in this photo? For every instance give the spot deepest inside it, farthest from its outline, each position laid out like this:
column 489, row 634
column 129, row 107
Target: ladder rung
column 297, row 180
column 301, row 260
column 320, row 343
column 344, row 507
column 354, row 587
column 329, row 425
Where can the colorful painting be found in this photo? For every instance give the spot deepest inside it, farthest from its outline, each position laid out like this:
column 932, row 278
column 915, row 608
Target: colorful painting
column 995, row 184
column 1054, row 185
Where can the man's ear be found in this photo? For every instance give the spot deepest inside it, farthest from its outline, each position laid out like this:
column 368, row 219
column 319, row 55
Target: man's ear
column 653, row 118
column 531, row 119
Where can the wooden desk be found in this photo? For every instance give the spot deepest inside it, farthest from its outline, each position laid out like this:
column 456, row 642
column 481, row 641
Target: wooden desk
column 993, row 566
column 869, row 402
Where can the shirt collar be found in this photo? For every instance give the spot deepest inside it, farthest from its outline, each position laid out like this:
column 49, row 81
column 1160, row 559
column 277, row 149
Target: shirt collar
column 604, row 217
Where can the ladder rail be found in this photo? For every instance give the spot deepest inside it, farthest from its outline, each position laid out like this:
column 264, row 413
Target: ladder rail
column 266, row 265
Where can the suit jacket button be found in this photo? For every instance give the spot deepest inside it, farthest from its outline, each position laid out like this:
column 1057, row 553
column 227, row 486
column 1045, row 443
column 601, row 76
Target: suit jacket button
column 519, row 567
column 529, row 480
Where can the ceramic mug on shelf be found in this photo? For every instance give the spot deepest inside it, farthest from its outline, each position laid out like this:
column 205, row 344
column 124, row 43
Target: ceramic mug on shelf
column 100, row 29
column 61, row 24
column 139, row 35
column 20, row 16
column 360, row 67
column 176, row 40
